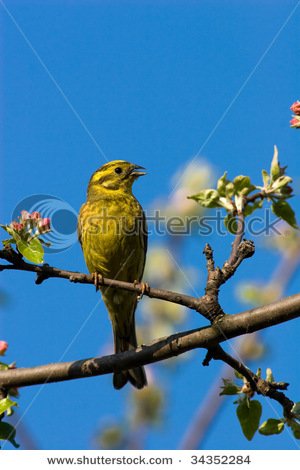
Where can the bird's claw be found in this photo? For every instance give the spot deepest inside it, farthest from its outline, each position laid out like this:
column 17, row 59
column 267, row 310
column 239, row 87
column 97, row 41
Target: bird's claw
column 144, row 288
column 98, row 280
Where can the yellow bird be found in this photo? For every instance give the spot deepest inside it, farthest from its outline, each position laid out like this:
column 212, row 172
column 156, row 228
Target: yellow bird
column 113, row 235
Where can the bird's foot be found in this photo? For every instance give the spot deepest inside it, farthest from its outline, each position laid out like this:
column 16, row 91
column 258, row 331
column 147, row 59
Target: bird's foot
column 98, row 280
column 144, row 288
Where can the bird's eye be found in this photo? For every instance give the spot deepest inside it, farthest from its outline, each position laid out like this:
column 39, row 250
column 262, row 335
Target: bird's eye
column 118, row 170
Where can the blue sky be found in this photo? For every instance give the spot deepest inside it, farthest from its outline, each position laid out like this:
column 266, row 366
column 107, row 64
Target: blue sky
column 155, row 83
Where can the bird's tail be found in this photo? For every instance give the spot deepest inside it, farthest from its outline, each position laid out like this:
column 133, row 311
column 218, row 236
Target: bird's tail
column 137, row 375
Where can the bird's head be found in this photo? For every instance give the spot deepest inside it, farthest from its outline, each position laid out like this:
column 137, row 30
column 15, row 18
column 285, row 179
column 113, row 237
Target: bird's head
column 117, row 175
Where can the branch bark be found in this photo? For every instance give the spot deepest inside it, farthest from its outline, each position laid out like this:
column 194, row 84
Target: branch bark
column 46, row 272
column 238, row 238
column 227, row 327
column 207, row 305
column 223, row 326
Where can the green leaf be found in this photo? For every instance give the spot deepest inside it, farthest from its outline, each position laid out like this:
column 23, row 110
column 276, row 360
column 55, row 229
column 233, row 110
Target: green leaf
column 3, row 366
column 266, row 178
column 269, row 375
column 238, row 375
column 8, row 229
column 8, row 241
column 242, row 185
column 295, row 428
column 229, row 388
column 231, row 223
column 222, row 183
column 251, row 207
column 275, row 168
column 207, row 198
column 271, row 426
column 283, row 210
column 229, row 190
column 296, row 409
column 249, row 413
column 281, row 182
column 226, row 203
column 6, row 404
column 286, row 192
column 8, row 433
column 33, row 250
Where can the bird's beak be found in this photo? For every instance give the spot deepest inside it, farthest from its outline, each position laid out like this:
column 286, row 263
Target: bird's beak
column 135, row 170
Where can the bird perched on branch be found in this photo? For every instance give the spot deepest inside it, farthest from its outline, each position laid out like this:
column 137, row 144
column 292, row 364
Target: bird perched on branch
column 113, row 235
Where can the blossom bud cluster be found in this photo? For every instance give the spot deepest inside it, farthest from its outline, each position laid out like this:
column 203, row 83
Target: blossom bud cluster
column 295, row 108
column 31, row 221
column 3, row 347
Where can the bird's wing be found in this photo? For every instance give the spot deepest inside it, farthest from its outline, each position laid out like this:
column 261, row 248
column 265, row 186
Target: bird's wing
column 144, row 241
column 79, row 231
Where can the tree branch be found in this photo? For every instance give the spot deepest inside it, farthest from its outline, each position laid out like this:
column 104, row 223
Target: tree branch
column 255, row 196
column 207, row 411
column 227, row 327
column 45, row 271
column 240, row 231
column 216, row 276
column 207, row 305
column 257, row 384
column 223, row 326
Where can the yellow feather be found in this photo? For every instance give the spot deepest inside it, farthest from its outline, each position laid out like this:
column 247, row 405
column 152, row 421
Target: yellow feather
column 112, row 233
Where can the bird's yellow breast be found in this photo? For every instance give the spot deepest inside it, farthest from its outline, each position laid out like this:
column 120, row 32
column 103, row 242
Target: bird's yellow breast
column 112, row 238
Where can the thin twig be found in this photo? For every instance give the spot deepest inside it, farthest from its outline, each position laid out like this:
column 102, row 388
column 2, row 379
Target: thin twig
column 206, row 305
column 206, row 412
column 240, row 231
column 45, row 272
column 257, row 384
column 216, row 277
column 255, row 196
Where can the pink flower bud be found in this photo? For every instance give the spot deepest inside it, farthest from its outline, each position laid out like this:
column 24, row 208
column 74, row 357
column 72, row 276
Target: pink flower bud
column 295, row 122
column 17, row 226
column 296, row 107
column 3, row 347
column 44, row 225
column 25, row 215
column 35, row 215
